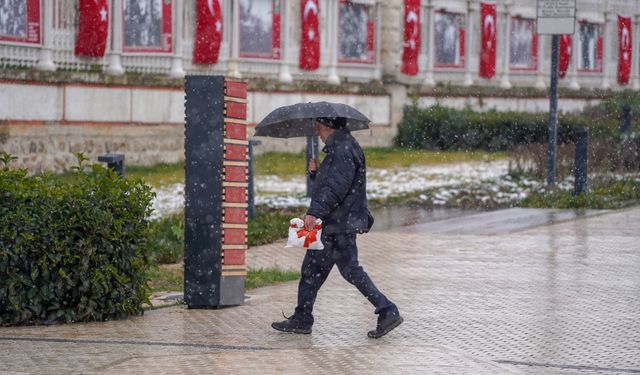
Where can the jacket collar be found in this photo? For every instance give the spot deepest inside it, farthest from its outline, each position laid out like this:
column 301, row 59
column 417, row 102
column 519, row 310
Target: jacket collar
column 335, row 137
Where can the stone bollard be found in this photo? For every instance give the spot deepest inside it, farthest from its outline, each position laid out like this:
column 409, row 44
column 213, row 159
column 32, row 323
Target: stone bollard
column 625, row 120
column 581, row 136
column 115, row 162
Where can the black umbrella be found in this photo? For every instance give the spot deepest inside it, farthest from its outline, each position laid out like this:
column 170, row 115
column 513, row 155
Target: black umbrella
column 298, row 120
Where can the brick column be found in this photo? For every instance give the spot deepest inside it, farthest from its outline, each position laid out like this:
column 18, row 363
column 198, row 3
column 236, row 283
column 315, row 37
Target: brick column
column 235, row 180
column 216, row 182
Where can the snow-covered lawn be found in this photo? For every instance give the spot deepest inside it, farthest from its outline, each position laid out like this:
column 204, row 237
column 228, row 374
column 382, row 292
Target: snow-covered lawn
column 438, row 183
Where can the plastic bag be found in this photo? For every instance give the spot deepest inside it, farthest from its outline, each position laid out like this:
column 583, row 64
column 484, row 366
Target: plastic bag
column 299, row 236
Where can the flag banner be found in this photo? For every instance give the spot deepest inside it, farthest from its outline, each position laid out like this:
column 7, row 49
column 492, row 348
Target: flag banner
column 147, row 26
column 310, row 36
column 566, row 49
column 93, row 28
column 624, row 49
column 208, row 32
column 488, row 36
column 20, row 21
column 411, row 37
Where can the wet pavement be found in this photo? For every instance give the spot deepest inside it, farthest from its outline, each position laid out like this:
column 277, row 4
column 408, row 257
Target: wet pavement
column 530, row 299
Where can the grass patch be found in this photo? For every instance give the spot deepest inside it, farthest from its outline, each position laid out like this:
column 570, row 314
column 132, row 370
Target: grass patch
column 157, row 175
column 170, row 278
column 166, row 239
column 608, row 194
column 378, row 157
column 257, row 278
column 294, row 164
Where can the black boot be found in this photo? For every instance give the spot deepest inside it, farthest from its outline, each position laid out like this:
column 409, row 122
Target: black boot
column 292, row 325
column 386, row 322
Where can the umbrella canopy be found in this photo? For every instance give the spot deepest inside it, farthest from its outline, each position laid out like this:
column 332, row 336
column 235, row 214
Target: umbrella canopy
column 297, row 120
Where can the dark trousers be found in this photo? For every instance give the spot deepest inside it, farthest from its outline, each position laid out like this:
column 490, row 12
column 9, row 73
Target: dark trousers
column 339, row 249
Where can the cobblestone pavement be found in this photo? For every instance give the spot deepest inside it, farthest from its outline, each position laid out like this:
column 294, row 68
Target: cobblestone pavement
column 553, row 299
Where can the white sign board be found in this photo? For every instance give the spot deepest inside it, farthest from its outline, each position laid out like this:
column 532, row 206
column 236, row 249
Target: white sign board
column 556, row 16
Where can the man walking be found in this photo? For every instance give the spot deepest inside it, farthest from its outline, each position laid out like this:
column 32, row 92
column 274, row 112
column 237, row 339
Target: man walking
column 339, row 199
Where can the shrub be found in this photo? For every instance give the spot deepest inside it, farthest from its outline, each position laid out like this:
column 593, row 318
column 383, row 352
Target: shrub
column 72, row 249
column 440, row 128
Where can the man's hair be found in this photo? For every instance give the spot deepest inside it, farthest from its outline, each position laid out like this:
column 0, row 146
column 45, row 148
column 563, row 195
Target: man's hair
column 333, row 122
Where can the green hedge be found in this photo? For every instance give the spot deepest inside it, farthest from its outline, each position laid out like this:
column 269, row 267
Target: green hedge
column 72, row 249
column 441, row 128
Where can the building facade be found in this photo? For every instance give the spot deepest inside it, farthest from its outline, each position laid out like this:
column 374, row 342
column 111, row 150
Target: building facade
column 372, row 54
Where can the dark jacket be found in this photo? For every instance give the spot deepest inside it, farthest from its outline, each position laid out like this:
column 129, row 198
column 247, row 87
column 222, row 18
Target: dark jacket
column 339, row 194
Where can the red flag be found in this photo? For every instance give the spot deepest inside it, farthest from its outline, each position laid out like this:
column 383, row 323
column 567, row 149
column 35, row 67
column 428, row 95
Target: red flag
column 411, row 37
column 624, row 48
column 208, row 32
column 93, row 27
column 310, row 38
column 488, row 46
column 565, row 54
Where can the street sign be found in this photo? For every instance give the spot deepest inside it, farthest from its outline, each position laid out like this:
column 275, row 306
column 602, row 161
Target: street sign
column 556, row 16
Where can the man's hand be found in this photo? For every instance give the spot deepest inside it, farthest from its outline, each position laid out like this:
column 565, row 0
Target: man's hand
column 313, row 165
column 309, row 222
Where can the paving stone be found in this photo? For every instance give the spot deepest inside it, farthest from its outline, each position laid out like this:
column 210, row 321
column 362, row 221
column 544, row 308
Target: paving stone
column 554, row 299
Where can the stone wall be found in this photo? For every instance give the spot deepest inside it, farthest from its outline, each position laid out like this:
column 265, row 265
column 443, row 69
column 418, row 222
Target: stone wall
column 45, row 123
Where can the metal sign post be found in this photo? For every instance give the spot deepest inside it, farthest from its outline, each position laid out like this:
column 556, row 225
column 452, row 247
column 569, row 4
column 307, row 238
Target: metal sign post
column 555, row 17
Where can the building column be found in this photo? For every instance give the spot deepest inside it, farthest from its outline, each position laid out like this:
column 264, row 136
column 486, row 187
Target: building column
column 45, row 58
column 469, row 38
column 506, row 52
column 606, row 59
column 177, row 69
column 332, row 24
column 540, row 84
column 233, row 26
column 429, row 80
column 635, row 60
column 114, row 66
column 377, row 71
column 575, row 59
column 285, row 13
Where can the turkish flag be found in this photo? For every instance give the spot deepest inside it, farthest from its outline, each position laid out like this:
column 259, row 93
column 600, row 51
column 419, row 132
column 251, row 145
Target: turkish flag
column 565, row 54
column 624, row 49
column 93, row 27
column 208, row 32
column 488, row 35
column 310, row 38
column 411, row 37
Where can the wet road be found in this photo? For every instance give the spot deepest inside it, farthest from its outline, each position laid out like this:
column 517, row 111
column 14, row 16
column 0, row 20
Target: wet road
column 532, row 299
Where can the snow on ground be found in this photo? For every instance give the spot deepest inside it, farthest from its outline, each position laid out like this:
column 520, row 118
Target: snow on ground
column 278, row 191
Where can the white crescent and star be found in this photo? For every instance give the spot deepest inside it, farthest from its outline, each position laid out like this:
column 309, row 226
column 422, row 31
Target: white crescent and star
column 103, row 14
column 490, row 28
column 412, row 18
column 310, row 6
column 625, row 42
